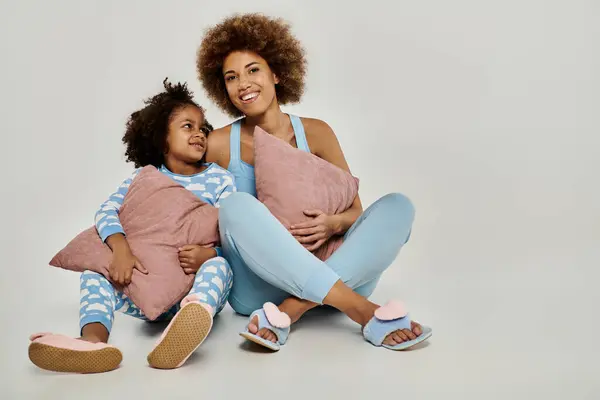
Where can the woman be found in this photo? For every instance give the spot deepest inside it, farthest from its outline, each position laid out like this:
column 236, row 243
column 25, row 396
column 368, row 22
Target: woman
column 250, row 65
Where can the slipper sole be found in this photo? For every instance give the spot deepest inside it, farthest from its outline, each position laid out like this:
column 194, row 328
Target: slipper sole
column 187, row 332
column 260, row 341
column 65, row 360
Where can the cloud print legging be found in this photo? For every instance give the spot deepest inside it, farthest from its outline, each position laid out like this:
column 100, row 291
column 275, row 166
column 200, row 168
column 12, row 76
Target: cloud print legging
column 269, row 264
column 99, row 299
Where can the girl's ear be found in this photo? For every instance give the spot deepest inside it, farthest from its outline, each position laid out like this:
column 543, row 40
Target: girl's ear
column 275, row 79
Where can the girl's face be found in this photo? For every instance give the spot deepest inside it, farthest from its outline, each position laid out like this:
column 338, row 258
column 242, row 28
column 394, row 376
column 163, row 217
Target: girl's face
column 250, row 82
column 186, row 139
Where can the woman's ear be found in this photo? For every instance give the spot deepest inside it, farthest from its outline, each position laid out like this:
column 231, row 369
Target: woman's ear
column 275, row 79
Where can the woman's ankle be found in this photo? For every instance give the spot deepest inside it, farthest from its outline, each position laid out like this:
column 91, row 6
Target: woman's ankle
column 343, row 298
column 355, row 306
column 363, row 313
column 295, row 308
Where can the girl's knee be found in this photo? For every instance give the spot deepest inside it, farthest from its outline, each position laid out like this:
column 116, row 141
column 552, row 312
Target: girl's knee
column 216, row 264
column 218, row 260
column 87, row 275
column 90, row 274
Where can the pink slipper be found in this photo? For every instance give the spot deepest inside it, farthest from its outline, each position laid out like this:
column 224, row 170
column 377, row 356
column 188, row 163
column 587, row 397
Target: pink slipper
column 184, row 334
column 61, row 353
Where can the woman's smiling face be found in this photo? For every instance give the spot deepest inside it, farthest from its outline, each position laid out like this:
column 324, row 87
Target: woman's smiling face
column 250, row 82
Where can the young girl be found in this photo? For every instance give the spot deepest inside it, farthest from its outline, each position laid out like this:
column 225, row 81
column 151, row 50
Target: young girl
column 170, row 132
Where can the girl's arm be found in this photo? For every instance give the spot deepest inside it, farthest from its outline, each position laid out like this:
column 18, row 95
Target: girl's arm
column 107, row 220
column 111, row 232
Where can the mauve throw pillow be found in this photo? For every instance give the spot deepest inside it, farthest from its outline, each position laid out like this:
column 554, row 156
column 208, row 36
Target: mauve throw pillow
column 158, row 216
column 290, row 181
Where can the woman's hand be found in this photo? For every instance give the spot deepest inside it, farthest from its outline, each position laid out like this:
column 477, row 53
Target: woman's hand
column 192, row 256
column 314, row 233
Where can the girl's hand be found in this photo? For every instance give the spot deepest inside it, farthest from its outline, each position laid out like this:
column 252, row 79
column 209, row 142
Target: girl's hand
column 121, row 267
column 315, row 232
column 192, row 256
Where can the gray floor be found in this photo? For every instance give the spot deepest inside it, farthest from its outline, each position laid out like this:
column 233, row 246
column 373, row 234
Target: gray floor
column 512, row 320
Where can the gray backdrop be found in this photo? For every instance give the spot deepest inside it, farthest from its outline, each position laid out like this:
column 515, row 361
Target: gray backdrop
column 485, row 113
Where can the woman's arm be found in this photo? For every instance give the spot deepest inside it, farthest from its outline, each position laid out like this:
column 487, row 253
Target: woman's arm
column 324, row 144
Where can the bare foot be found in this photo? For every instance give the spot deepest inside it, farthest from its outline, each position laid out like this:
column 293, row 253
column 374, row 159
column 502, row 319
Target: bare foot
column 292, row 306
column 403, row 335
column 361, row 310
column 394, row 338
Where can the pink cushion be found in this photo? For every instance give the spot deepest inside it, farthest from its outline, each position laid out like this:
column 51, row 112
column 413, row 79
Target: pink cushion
column 290, row 181
column 158, row 216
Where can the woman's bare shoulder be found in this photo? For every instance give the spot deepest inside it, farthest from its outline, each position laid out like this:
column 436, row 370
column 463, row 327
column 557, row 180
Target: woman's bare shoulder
column 319, row 134
column 218, row 145
column 316, row 126
column 220, row 133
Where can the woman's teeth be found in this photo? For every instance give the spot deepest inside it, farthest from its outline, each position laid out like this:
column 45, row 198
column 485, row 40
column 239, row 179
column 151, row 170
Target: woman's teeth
column 249, row 96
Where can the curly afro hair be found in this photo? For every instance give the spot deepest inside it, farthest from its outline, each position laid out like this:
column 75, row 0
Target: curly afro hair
column 267, row 37
column 146, row 134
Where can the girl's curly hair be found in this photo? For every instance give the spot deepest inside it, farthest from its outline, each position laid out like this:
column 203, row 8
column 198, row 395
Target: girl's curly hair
column 267, row 37
column 146, row 130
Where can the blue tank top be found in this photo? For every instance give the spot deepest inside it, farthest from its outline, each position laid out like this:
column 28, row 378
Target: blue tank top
column 244, row 172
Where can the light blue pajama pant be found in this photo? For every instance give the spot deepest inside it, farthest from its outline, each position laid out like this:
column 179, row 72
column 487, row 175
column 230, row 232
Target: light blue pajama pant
column 99, row 299
column 269, row 264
